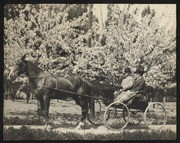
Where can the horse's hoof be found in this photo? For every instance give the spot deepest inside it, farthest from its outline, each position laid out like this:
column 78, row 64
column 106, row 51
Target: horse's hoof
column 48, row 128
column 77, row 128
column 81, row 126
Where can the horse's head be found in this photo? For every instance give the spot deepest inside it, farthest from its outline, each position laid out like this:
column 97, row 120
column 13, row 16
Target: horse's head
column 18, row 69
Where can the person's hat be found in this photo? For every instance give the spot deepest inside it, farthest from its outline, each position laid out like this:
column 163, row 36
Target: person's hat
column 139, row 69
column 127, row 70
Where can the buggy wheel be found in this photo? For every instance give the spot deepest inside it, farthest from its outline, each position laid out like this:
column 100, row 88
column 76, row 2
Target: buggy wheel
column 116, row 116
column 125, row 114
column 155, row 116
column 97, row 119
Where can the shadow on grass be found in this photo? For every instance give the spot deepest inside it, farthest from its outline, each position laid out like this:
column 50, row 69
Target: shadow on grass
column 29, row 118
column 20, row 121
column 24, row 133
column 24, row 113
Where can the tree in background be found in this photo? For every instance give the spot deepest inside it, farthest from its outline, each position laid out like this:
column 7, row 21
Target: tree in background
column 137, row 38
column 48, row 32
column 56, row 36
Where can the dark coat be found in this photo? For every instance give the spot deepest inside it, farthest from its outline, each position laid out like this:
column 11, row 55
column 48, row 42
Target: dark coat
column 140, row 101
column 139, row 85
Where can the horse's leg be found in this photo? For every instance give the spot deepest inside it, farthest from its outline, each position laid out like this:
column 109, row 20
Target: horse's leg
column 40, row 106
column 28, row 97
column 46, row 111
column 13, row 95
column 84, row 107
column 32, row 96
column 153, row 102
column 39, row 111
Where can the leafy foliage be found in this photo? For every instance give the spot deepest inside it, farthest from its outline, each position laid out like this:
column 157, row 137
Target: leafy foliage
column 137, row 38
column 55, row 36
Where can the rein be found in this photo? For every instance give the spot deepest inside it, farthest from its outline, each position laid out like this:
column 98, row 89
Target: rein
column 77, row 93
column 36, row 77
column 98, row 98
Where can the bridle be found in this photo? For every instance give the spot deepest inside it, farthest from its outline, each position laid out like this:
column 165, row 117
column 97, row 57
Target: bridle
column 32, row 77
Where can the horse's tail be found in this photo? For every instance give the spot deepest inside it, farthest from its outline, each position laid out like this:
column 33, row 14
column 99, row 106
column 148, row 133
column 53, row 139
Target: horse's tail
column 92, row 94
column 88, row 90
column 88, row 87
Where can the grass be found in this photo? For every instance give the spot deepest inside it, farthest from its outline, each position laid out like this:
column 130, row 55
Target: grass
column 19, row 121
column 24, row 116
column 171, row 120
column 66, row 120
column 24, row 133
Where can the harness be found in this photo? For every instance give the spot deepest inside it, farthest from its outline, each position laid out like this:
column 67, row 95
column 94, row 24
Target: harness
column 42, row 85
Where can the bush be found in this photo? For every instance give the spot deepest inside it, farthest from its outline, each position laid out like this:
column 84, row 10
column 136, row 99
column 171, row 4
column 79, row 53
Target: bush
column 10, row 88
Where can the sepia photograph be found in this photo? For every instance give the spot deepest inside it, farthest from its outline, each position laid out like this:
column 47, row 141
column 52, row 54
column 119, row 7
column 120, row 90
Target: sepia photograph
column 89, row 72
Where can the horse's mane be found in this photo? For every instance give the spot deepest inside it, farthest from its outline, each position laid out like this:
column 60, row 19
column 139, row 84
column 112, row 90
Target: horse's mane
column 33, row 65
column 36, row 69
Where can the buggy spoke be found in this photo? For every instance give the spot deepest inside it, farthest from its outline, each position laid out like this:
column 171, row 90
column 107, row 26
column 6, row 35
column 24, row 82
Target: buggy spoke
column 155, row 116
column 116, row 116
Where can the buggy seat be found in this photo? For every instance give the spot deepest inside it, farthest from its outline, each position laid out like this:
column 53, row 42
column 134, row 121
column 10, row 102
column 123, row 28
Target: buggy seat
column 139, row 101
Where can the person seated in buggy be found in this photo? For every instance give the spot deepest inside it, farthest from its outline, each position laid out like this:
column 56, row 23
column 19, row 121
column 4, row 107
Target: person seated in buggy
column 134, row 96
column 127, row 82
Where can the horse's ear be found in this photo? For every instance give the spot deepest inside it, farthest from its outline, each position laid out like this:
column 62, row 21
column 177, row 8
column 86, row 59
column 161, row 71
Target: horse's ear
column 23, row 57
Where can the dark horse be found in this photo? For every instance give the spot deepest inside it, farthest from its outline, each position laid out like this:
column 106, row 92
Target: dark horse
column 105, row 91
column 47, row 87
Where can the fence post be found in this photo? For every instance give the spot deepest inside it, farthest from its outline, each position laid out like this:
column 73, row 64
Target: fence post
column 164, row 100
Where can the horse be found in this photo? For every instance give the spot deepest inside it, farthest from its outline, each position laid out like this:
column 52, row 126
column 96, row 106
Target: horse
column 47, row 86
column 104, row 90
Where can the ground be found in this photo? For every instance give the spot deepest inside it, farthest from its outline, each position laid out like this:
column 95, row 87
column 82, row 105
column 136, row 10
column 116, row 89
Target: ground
column 64, row 116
